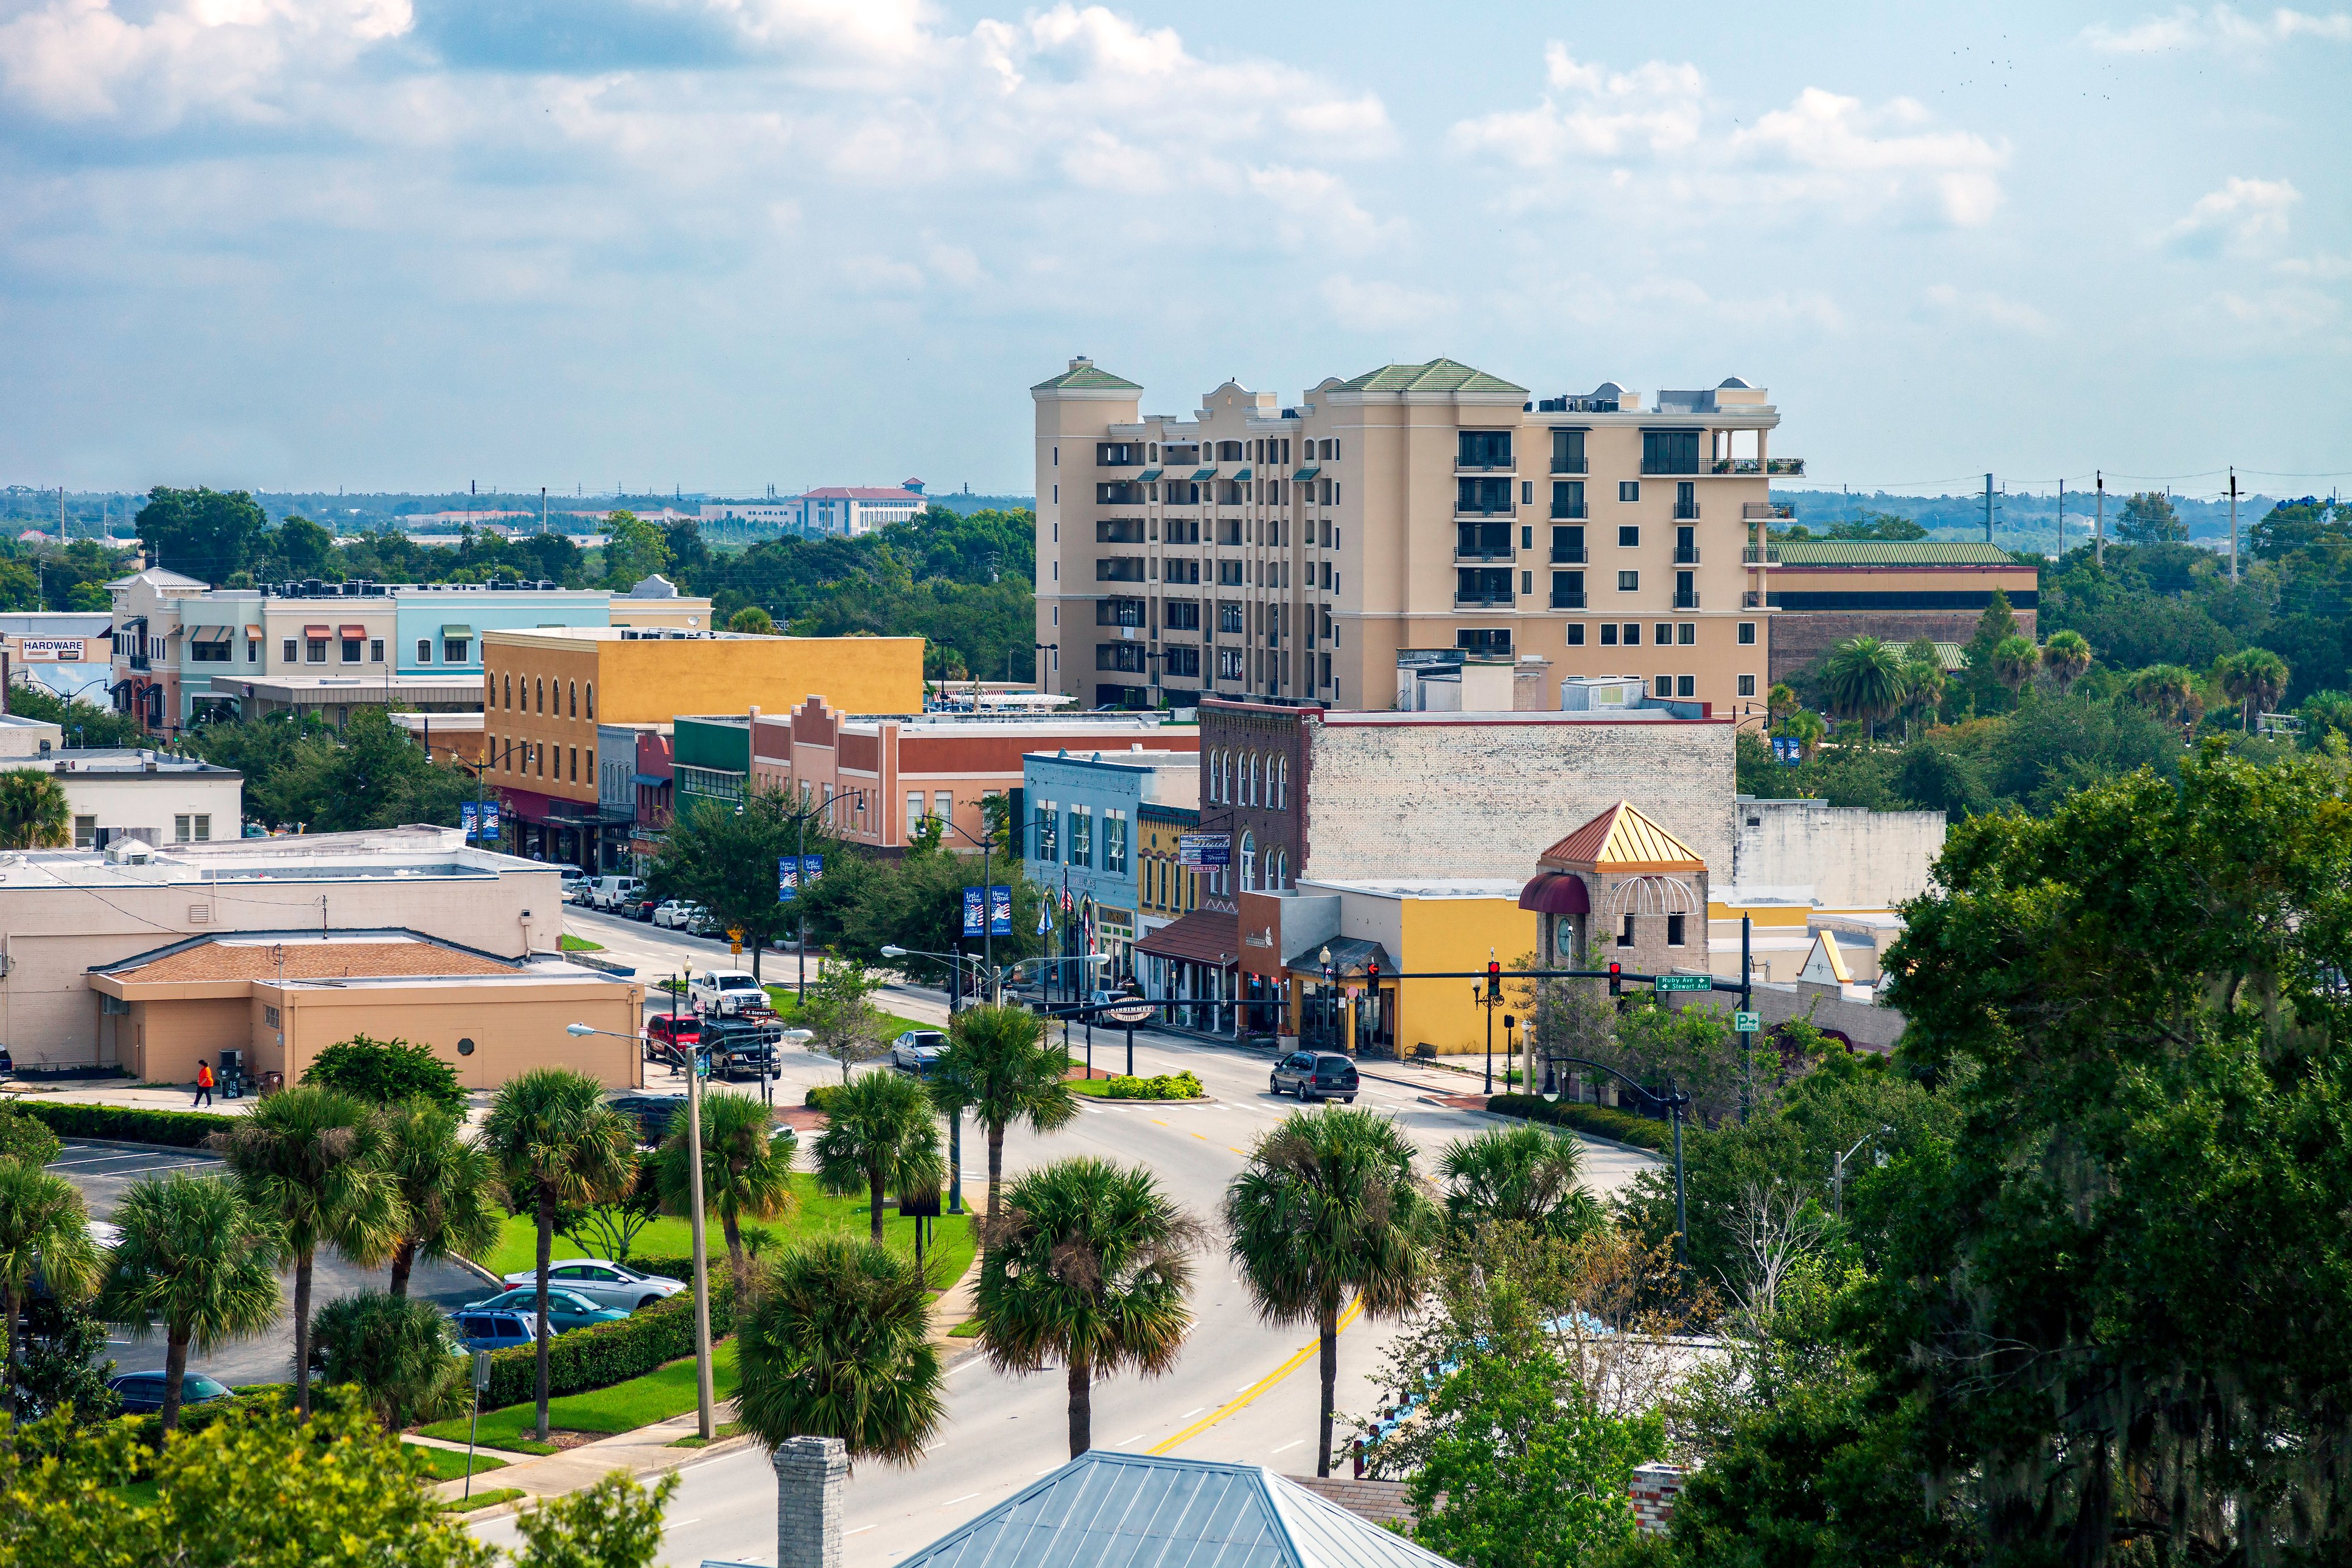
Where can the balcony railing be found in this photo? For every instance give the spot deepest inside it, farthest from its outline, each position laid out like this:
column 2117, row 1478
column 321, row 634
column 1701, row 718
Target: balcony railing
column 1760, row 555
column 1481, row 601
column 1686, row 554
column 1751, row 466
column 1765, row 512
column 1751, row 600
column 1506, row 467
column 1570, row 511
column 1571, row 467
column 1686, row 598
column 1483, row 552
column 1567, row 555
column 1566, row 601
column 1685, row 510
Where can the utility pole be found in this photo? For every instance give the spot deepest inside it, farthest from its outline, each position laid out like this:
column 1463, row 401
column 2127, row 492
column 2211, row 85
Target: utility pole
column 2099, row 534
column 1988, row 508
column 2062, row 517
column 704, row 1401
column 2233, row 522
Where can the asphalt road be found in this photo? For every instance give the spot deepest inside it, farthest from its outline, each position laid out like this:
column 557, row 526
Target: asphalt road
column 1244, row 1390
column 102, row 1175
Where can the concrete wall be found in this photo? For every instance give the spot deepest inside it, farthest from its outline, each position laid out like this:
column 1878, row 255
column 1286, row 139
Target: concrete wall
column 1483, row 797
column 1801, row 636
column 515, row 1025
column 1852, row 858
column 152, row 800
column 166, row 1037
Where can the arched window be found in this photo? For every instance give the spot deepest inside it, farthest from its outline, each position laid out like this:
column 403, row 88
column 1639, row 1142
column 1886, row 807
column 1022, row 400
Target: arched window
column 1277, row 867
column 509, row 683
column 538, row 684
column 1281, row 783
column 1249, row 782
column 575, row 699
column 1249, row 862
column 1225, row 777
column 592, row 698
column 1216, row 762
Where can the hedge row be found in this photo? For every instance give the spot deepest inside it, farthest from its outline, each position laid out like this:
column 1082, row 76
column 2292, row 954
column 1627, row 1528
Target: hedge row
column 1168, row 1086
column 1622, row 1125
column 608, row 1353
column 128, row 1124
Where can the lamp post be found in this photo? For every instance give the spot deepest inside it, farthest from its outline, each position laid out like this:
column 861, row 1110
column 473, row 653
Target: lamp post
column 1837, row 1168
column 1331, row 1022
column 1674, row 1102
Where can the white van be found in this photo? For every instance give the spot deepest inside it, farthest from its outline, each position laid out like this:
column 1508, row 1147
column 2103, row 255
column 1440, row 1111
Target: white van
column 723, row 993
column 612, row 892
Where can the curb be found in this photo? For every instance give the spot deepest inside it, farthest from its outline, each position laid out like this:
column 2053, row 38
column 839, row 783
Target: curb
column 124, row 1143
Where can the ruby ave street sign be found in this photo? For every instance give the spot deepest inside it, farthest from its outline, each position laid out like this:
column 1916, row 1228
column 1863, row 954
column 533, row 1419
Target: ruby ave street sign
column 1684, row 983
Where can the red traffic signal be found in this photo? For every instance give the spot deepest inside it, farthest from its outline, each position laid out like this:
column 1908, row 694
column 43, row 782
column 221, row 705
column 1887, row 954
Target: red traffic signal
column 1616, row 978
column 1372, row 975
column 1493, row 979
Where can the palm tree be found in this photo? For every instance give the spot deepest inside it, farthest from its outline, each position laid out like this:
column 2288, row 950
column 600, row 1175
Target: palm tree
column 558, row 1145
column 1780, row 701
column 1088, row 1265
column 1864, row 677
column 998, row 1065
column 1329, row 1206
column 44, row 1230
column 880, row 1136
column 1526, row 1174
column 399, row 1354
column 311, row 1159
column 2066, row 657
column 196, row 1258
column 2013, row 659
column 747, row 1169
column 2168, row 688
column 450, row 1199
column 34, row 812
column 2253, row 677
column 838, row 1346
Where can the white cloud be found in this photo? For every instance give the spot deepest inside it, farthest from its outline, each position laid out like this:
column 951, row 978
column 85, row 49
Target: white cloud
column 1823, row 150
column 83, row 60
column 1986, row 307
column 2186, row 27
column 1375, row 306
column 2244, row 217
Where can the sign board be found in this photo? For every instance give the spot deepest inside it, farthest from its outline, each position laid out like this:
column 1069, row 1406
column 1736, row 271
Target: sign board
column 1746, row 1023
column 1787, row 749
column 1196, row 849
column 469, row 817
column 787, row 878
column 973, row 903
column 1684, row 983
column 1141, row 1012
column 1000, row 911
column 489, row 821
column 481, row 1368
column 36, row 651
column 918, row 1205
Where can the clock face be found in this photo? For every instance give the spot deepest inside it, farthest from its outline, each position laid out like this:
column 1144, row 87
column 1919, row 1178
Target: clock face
column 1564, row 937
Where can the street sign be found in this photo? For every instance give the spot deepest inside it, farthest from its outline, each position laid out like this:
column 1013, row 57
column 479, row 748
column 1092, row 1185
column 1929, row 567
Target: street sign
column 787, row 878
column 1000, row 911
column 1746, row 1023
column 1136, row 1014
column 489, row 822
column 812, row 868
column 974, row 908
column 470, row 816
column 1787, row 749
column 1684, row 983
column 481, row 1368
column 1197, row 849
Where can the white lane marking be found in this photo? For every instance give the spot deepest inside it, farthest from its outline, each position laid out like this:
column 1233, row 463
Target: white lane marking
column 1287, row 1447
column 861, row 1529
column 1123, row 1442
column 1189, row 1413
column 680, row 1523
column 966, row 1497
column 1049, row 1469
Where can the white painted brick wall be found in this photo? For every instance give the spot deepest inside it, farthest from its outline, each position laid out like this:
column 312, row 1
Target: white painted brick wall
column 1852, row 858
column 1483, row 800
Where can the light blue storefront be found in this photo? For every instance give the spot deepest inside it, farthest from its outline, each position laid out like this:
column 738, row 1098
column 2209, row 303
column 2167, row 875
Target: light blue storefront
column 440, row 628
column 1082, row 846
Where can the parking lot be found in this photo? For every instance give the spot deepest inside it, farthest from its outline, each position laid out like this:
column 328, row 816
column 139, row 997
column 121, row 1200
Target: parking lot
column 102, row 1174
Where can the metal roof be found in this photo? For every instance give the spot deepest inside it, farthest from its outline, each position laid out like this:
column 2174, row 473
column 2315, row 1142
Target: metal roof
column 1437, row 375
column 1107, row 1510
column 1890, row 553
column 1084, row 375
column 1620, row 839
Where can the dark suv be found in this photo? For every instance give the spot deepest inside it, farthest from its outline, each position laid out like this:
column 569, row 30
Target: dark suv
column 1315, row 1075
column 741, row 1046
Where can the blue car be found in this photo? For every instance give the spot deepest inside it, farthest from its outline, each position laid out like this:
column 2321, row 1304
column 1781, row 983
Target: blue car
column 491, row 1331
column 566, row 1309
column 141, row 1393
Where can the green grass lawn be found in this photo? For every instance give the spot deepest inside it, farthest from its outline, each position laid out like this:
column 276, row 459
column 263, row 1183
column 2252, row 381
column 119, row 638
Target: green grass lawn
column 670, row 1237
column 624, row 1407
column 570, row 943
column 787, row 1004
column 444, row 1466
column 481, row 1499
column 724, row 1430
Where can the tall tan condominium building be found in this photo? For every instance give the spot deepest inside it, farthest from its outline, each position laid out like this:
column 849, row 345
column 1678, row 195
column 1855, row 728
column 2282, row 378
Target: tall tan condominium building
column 1250, row 549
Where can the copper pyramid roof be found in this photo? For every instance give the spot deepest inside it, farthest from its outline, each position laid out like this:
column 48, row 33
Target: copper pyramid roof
column 1620, row 839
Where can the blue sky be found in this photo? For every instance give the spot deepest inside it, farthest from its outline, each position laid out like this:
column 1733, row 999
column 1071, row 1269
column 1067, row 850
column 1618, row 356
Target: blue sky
column 726, row 243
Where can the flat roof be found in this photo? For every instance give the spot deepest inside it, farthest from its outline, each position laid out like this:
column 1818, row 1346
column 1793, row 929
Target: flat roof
column 1423, row 887
column 417, row 853
column 1134, row 758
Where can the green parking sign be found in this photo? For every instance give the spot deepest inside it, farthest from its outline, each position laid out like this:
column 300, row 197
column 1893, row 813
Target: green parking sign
column 1746, row 1023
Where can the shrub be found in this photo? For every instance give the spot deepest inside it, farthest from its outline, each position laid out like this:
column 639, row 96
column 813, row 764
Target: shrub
column 608, row 1353
column 129, row 1125
column 398, row 1354
column 1168, row 1086
column 386, row 1072
column 27, row 1140
column 1622, row 1125
column 821, row 1096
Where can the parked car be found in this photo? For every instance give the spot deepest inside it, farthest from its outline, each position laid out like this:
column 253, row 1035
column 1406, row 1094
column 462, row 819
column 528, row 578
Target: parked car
column 141, row 1393
column 566, row 1309
column 479, row 1331
column 1315, row 1075
column 723, row 993
column 671, row 914
column 916, row 1049
column 669, row 1034
column 741, row 1046
column 702, row 922
column 642, row 910
column 575, row 887
column 614, row 1284
column 612, row 892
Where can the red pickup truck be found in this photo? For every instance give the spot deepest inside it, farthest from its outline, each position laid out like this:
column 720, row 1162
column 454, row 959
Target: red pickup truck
column 668, row 1036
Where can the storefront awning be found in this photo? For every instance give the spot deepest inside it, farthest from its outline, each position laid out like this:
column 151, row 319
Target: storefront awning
column 1308, row 473
column 1555, row 893
column 208, row 633
column 456, row 631
column 1203, row 936
column 253, row 631
column 355, row 631
column 317, row 631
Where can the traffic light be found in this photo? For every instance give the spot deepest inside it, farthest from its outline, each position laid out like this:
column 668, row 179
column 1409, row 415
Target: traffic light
column 1616, row 978
column 1372, row 975
column 1494, row 981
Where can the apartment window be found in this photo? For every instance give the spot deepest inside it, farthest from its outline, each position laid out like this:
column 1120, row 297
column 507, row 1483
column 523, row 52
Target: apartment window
column 1485, row 448
column 1229, row 616
column 1568, row 451
column 1662, row 685
column 1748, row 634
column 574, row 688
column 85, row 832
column 424, row 650
column 1082, row 836
column 1527, row 582
column 453, row 650
column 1685, row 685
column 914, row 814
column 180, row 829
column 1567, row 498
column 588, row 692
column 1674, row 931
column 375, row 650
column 575, row 762
column 1629, row 581
column 1687, row 634
column 1568, row 590
column 509, row 692
column 1628, row 536
column 1666, row 634
column 1527, row 536
column 350, row 650
column 1048, row 819
column 1482, row 496
column 315, row 650
column 1625, row 932
column 1629, row 490
column 1747, row 685
column 1184, row 614
column 253, row 650
column 1184, row 661
column 1609, row 634
column 1229, row 664
column 1632, row 632
column 1114, row 839
column 539, row 685
column 1670, row 451
column 943, row 805
column 1576, row 634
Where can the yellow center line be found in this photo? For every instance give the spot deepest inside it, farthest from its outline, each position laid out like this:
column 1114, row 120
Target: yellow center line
column 1248, row 1395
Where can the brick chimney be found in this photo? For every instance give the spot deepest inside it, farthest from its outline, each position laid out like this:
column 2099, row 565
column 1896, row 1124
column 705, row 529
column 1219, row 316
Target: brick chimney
column 809, row 1476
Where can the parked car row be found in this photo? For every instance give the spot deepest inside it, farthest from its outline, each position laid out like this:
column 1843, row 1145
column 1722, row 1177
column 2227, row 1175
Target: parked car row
column 581, row 1294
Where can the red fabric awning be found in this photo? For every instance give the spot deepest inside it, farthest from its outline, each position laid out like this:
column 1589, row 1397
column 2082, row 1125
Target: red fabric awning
column 1555, row 893
column 1203, row 936
column 355, row 631
column 316, row 631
